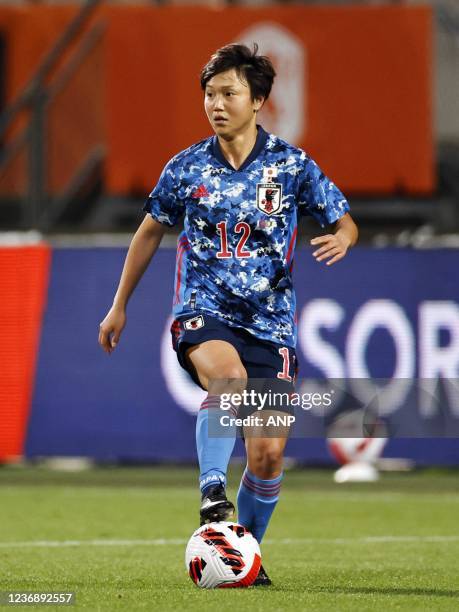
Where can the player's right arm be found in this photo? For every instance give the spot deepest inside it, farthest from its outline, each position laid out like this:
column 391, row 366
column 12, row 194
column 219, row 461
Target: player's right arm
column 144, row 244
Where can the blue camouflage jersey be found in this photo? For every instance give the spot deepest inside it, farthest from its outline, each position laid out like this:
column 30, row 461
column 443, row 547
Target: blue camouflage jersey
column 235, row 255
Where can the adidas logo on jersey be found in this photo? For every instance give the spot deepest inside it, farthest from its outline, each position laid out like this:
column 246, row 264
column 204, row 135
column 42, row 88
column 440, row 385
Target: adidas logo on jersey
column 200, row 192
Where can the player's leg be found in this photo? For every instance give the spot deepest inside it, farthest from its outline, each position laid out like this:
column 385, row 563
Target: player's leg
column 261, row 482
column 259, row 489
column 275, row 368
column 218, row 368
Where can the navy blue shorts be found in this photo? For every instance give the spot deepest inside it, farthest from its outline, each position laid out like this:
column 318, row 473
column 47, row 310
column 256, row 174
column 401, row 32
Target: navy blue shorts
column 261, row 359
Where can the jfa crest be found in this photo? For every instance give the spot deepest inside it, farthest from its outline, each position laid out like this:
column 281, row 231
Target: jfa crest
column 269, row 197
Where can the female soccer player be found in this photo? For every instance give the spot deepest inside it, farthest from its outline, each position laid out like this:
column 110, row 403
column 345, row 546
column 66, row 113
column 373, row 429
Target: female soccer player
column 241, row 193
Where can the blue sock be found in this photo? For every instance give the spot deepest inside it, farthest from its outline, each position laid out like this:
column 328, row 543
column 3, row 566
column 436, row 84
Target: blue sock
column 256, row 501
column 214, row 453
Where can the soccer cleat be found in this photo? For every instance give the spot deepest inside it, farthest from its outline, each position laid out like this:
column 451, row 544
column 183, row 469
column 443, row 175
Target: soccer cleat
column 262, row 579
column 215, row 506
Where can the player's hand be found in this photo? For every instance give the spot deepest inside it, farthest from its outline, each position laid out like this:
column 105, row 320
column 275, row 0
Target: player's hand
column 331, row 246
column 110, row 329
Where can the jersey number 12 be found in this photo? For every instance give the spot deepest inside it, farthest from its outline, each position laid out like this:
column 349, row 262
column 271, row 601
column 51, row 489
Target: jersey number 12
column 241, row 227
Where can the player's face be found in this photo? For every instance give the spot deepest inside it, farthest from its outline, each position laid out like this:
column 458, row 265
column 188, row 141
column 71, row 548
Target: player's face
column 229, row 106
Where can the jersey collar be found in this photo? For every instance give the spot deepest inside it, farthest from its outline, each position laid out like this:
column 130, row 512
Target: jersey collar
column 260, row 142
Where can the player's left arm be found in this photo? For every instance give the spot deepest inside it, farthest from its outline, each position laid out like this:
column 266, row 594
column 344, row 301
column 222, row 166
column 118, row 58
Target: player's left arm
column 333, row 247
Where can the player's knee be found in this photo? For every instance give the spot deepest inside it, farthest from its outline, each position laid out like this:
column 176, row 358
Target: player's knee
column 273, row 462
column 265, row 461
column 235, row 371
column 228, row 378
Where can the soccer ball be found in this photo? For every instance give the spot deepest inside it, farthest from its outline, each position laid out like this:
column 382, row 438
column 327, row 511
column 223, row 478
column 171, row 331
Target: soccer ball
column 222, row 555
column 358, row 458
column 352, row 450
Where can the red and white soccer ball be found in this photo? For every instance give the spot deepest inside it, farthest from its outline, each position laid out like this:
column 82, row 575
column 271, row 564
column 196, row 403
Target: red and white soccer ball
column 222, row 555
column 356, row 450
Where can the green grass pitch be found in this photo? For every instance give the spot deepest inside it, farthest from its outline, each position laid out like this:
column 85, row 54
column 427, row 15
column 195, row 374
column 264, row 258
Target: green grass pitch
column 117, row 538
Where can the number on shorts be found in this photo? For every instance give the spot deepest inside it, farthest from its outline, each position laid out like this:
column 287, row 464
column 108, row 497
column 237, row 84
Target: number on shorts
column 284, row 375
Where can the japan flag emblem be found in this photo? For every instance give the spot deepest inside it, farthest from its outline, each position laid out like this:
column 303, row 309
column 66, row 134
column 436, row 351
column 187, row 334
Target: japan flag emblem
column 269, row 197
column 194, row 323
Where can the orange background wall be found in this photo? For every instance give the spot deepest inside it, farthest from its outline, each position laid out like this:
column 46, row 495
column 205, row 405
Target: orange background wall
column 23, row 286
column 368, row 86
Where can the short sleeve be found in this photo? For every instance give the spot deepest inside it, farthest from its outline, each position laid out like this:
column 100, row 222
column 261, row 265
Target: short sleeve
column 318, row 196
column 163, row 203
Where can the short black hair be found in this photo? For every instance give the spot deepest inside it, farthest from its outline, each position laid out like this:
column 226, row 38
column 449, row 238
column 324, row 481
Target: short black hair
column 256, row 70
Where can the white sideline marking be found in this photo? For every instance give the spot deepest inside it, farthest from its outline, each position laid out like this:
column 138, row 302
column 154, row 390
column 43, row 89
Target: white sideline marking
column 179, row 541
